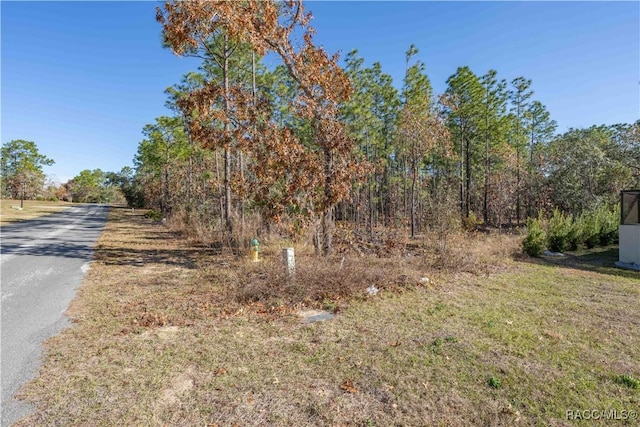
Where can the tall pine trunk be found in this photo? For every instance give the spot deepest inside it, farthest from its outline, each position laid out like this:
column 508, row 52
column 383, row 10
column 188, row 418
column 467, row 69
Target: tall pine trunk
column 227, row 153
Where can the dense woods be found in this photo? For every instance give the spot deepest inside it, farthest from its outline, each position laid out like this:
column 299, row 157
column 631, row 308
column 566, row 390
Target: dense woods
column 295, row 147
column 309, row 142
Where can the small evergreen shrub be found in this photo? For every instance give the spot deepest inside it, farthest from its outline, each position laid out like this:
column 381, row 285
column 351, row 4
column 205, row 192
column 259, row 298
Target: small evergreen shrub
column 575, row 236
column 471, row 222
column 535, row 241
column 558, row 231
column 590, row 228
column 608, row 226
column 154, row 215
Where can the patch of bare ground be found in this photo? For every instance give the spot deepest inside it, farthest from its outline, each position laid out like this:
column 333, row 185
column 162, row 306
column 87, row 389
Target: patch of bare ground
column 168, row 334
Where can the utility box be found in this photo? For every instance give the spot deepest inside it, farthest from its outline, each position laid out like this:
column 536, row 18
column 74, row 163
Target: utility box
column 629, row 232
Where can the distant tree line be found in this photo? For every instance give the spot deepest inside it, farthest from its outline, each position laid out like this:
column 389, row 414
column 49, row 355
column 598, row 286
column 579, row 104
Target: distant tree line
column 22, row 176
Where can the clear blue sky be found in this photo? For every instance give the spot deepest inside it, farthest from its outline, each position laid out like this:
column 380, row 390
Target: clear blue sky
column 81, row 79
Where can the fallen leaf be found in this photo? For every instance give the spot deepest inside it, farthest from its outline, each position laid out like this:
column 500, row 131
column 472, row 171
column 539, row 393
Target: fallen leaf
column 349, row 387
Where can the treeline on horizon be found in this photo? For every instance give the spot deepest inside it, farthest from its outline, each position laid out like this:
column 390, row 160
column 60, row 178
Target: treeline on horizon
column 307, row 143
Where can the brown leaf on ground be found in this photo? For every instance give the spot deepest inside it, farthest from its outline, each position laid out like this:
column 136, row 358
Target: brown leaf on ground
column 349, row 387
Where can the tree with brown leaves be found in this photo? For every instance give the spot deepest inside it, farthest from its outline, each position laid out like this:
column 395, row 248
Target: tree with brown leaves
column 318, row 173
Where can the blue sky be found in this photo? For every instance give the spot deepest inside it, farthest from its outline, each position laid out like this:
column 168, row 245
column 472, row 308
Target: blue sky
column 81, row 79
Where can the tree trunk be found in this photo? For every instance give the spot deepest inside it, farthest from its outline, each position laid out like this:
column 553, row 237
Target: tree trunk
column 327, row 215
column 462, row 198
column 227, row 153
column 412, row 215
column 517, row 182
column 164, row 204
column 227, row 191
column 467, row 178
column 327, row 232
column 487, row 164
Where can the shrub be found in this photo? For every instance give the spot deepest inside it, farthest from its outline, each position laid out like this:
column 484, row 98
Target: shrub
column 590, row 228
column 154, row 215
column 608, row 226
column 598, row 227
column 471, row 222
column 575, row 236
column 558, row 231
column 535, row 241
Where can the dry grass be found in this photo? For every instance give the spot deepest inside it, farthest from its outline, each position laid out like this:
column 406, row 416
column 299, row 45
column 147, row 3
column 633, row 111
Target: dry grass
column 170, row 334
column 10, row 209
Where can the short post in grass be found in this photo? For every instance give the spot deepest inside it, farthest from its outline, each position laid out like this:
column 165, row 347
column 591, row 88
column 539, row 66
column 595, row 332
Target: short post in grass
column 289, row 259
column 254, row 250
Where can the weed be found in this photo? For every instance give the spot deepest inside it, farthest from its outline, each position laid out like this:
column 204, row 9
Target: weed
column 628, row 381
column 329, row 304
column 494, row 382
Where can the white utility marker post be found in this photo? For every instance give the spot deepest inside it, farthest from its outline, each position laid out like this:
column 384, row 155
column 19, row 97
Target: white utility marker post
column 289, row 259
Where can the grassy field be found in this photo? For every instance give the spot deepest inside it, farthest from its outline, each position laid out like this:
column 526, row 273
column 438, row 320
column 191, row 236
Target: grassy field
column 10, row 209
column 165, row 333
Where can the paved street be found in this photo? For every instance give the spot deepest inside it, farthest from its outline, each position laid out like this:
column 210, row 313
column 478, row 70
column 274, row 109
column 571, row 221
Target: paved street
column 42, row 263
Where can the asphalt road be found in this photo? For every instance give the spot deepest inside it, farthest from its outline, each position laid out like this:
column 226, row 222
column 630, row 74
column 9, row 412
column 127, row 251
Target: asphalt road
column 42, row 262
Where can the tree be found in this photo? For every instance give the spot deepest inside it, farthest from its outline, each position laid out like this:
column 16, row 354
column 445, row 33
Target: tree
column 625, row 149
column 125, row 180
column 541, row 129
column 21, row 169
column 493, row 128
column 464, row 94
column 581, row 174
column 519, row 97
column 94, row 186
column 159, row 155
column 371, row 116
column 321, row 87
column 419, row 130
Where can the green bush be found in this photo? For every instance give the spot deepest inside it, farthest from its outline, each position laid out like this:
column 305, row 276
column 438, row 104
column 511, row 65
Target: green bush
column 575, row 238
column 558, row 231
column 535, row 241
column 154, row 215
column 471, row 222
column 590, row 228
column 608, row 226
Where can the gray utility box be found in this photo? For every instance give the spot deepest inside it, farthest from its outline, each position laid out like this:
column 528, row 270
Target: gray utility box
column 630, row 228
